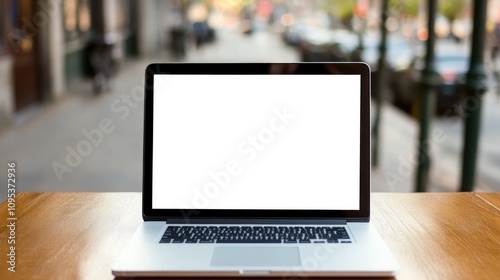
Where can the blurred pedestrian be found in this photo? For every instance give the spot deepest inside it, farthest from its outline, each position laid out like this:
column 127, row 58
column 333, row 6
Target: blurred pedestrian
column 201, row 33
column 103, row 61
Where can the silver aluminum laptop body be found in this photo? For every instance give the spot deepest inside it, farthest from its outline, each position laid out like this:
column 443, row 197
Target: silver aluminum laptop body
column 260, row 146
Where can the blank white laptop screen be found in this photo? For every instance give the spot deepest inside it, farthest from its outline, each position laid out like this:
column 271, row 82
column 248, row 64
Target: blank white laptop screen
column 256, row 142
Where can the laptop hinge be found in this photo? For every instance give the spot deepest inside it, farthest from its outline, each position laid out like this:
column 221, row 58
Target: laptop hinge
column 259, row 221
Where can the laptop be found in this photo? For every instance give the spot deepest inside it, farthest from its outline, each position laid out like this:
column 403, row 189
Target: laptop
column 256, row 170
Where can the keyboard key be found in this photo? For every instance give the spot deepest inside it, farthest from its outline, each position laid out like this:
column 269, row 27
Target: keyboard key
column 206, row 241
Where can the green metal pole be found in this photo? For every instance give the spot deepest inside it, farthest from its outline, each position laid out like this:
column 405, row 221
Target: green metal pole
column 427, row 87
column 380, row 84
column 475, row 85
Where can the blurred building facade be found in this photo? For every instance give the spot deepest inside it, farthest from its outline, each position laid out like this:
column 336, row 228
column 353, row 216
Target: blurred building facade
column 45, row 44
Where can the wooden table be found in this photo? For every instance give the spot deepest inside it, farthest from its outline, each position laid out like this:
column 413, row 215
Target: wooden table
column 78, row 235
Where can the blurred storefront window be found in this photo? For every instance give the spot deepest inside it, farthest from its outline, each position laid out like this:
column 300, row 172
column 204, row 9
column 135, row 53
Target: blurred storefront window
column 77, row 20
column 70, row 16
column 84, row 17
column 121, row 26
column 77, row 23
column 114, row 14
column 122, row 16
column 21, row 27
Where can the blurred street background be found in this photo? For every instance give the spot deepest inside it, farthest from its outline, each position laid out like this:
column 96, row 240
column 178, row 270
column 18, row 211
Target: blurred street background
column 67, row 66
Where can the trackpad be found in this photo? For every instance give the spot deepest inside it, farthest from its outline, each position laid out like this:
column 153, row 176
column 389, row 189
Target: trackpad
column 250, row 256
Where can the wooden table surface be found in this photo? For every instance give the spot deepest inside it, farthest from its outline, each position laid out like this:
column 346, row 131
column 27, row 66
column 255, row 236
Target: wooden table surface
column 493, row 199
column 78, row 235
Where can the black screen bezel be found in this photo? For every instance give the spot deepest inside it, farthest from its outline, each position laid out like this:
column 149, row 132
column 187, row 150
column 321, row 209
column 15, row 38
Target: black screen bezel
column 362, row 69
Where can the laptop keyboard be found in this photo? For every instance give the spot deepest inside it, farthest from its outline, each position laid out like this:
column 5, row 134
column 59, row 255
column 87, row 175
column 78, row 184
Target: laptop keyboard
column 255, row 234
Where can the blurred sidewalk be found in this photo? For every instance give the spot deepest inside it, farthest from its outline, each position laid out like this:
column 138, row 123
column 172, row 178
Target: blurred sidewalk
column 114, row 161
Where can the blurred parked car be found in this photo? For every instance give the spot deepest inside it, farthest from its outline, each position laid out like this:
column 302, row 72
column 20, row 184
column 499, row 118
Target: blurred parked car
column 400, row 52
column 321, row 44
column 451, row 66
